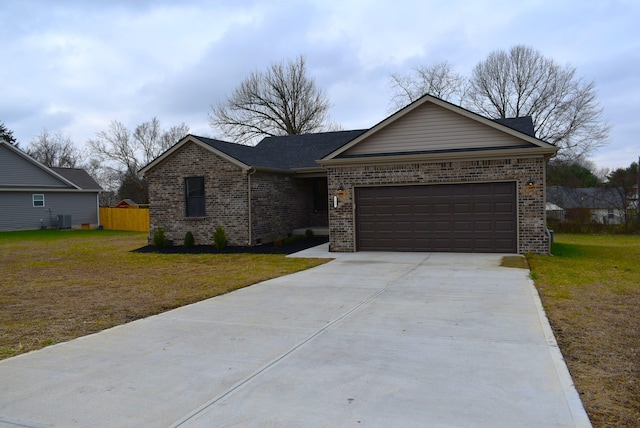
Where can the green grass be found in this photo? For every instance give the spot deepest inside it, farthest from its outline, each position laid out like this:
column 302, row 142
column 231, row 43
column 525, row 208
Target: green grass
column 59, row 285
column 56, row 234
column 590, row 288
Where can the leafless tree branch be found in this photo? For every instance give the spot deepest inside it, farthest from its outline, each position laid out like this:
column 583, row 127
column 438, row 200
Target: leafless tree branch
column 281, row 101
column 522, row 82
column 54, row 150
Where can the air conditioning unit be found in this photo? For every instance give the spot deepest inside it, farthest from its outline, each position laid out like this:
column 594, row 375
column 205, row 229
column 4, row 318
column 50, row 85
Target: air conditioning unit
column 64, row 221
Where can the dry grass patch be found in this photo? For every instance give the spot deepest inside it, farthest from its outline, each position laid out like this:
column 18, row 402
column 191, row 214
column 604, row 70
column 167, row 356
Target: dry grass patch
column 590, row 290
column 518, row 262
column 57, row 285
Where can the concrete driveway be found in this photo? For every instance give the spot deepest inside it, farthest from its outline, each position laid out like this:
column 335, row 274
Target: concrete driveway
column 369, row 339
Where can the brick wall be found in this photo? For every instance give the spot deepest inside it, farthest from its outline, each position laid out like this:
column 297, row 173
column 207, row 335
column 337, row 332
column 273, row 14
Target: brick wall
column 225, row 197
column 280, row 203
column 531, row 211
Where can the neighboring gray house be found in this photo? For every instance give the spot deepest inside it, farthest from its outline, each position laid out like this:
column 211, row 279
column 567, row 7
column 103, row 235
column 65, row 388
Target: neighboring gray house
column 588, row 204
column 431, row 177
column 33, row 196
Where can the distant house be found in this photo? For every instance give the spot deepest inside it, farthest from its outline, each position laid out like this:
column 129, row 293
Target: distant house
column 430, row 177
column 554, row 212
column 34, row 196
column 588, row 205
column 130, row 203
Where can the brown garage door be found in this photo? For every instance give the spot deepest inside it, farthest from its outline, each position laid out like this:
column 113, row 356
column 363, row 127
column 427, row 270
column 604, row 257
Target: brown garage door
column 474, row 217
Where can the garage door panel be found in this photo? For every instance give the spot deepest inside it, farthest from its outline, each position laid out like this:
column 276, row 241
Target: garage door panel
column 504, row 207
column 475, row 217
column 505, row 226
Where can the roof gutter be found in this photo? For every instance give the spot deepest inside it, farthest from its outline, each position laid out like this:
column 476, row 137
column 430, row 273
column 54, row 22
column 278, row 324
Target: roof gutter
column 439, row 157
column 49, row 190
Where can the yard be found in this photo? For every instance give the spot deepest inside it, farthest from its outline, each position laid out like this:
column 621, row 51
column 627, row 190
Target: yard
column 590, row 290
column 59, row 285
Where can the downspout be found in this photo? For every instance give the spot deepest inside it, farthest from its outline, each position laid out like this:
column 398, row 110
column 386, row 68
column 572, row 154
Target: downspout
column 98, row 208
column 250, row 172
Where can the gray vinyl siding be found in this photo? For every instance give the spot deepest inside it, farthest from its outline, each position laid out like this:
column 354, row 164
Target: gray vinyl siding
column 16, row 171
column 430, row 127
column 18, row 213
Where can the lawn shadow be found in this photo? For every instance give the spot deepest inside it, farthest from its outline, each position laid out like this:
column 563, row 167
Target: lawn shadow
column 569, row 251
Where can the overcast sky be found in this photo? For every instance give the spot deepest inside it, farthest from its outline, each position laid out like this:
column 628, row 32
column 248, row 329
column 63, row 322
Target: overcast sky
column 73, row 66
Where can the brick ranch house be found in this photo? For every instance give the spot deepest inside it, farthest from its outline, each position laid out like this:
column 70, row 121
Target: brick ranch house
column 430, row 177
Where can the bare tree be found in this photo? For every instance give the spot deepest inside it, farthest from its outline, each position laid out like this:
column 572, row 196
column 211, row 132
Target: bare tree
column 563, row 107
column 152, row 140
column 119, row 154
column 520, row 82
column 131, row 151
column 283, row 100
column 54, row 150
column 439, row 80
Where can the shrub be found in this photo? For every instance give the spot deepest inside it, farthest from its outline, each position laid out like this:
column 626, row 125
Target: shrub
column 189, row 240
column 308, row 233
column 289, row 240
column 278, row 243
column 160, row 239
column 219, row 238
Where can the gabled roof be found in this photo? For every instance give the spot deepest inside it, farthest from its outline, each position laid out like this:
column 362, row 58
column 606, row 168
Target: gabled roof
column 586, row 197
column 285, row 153
column 291, row 153
column 74, row 178
column 520, row 128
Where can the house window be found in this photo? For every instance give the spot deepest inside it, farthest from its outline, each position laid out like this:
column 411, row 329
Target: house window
column 610, row 213
column 38, row 200
column 320, row 194
column 194, row 196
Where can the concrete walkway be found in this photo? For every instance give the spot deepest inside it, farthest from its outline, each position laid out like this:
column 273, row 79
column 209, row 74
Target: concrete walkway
column 369, row 339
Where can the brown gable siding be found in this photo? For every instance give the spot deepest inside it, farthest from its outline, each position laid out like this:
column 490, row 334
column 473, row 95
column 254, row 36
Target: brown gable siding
column 430, row 127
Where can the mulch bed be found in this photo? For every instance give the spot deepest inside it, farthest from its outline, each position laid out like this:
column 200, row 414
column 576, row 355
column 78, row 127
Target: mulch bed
column 268, row 248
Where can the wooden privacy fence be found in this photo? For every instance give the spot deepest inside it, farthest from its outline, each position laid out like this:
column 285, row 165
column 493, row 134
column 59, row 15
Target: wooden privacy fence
column 125, row 219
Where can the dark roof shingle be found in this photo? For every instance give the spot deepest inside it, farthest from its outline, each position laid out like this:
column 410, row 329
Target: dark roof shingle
column 285, row 152
column 521, row 124
column 79, row 177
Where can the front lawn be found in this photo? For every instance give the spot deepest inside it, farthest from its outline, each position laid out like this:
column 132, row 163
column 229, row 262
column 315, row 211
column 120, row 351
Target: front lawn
column 59, row 285
column 590, row 289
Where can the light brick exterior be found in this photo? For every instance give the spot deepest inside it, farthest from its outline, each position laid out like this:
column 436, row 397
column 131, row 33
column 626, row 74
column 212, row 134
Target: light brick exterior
column 532, row 236
column 279, row 203
column 225, row 197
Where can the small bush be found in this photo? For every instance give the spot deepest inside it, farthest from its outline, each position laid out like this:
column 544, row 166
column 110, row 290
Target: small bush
column 308, row 233
column 278, row 243
column 289, row 240
column 160, row 239
column 219, row 238
column 189, row 240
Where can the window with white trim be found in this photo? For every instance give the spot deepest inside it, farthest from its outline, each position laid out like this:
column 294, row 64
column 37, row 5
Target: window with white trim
column 38, row 200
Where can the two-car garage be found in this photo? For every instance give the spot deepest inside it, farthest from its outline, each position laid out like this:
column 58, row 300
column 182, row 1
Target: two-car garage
column 435, row 177
column 468, row 217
